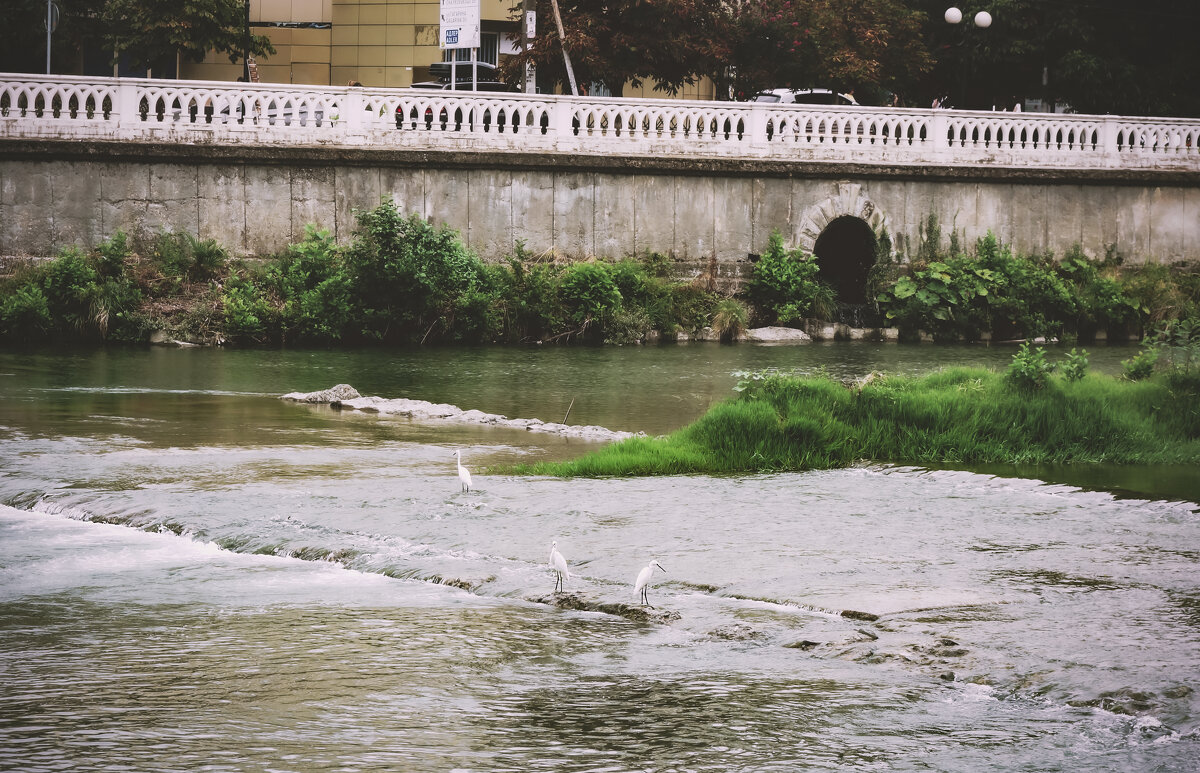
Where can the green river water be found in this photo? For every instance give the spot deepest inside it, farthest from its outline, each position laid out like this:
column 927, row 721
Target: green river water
column 196, row 575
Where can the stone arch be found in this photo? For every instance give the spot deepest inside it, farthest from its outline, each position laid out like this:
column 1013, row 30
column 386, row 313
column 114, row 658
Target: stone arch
column 849, row 200
column 842, row 232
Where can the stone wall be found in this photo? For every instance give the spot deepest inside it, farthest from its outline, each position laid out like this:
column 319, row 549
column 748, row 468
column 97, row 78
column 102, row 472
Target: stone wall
column 256, row 200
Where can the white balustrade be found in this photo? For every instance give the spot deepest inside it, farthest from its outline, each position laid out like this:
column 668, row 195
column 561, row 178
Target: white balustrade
column 68, row 107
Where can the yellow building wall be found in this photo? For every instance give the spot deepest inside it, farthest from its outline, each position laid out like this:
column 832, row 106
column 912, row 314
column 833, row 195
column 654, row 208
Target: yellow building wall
column 388, row 43
column 391, row 44
column 301, row 54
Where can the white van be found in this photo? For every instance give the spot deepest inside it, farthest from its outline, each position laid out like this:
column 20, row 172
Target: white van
column 805, row 97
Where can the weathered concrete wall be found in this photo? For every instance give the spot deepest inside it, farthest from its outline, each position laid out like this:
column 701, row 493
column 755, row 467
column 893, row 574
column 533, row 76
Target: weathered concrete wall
column 257, row 200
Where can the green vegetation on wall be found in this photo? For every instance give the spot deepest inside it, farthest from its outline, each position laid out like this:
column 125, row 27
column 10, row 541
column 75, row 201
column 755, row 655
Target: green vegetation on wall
column 953, row 295
column 401, row 280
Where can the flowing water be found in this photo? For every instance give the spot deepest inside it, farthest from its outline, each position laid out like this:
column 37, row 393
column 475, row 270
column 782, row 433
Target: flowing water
column 195, row 575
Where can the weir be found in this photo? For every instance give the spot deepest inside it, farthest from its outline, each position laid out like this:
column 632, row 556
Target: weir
column 251, row 165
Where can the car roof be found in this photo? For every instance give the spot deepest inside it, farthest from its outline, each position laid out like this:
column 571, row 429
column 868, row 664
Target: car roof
column 796, row 95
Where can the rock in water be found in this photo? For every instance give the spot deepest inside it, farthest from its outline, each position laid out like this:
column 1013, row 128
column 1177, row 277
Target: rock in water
column 345, row 397
column 777, row 335
column 333, row 394
column 587, row 603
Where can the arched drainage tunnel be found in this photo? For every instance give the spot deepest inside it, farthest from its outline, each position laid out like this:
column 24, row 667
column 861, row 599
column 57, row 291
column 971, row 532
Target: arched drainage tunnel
column 845, row 253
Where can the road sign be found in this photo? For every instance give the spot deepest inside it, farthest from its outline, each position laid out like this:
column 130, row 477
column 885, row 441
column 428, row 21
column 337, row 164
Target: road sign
column 459, row 24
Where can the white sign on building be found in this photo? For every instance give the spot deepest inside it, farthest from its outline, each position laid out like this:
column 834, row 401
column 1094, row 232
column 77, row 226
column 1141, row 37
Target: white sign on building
column 459, row 24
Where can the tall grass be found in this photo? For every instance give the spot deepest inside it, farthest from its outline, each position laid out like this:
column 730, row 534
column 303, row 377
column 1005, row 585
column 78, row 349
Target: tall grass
column 958, row 416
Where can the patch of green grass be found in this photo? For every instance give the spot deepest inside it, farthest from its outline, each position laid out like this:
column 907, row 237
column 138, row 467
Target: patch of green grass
column 958, row 416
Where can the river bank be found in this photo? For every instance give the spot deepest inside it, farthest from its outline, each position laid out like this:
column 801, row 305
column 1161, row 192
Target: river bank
column 404, row 281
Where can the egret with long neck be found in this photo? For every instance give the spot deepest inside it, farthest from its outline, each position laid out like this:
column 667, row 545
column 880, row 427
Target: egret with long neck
column 464, row 475
column 559, row 564
column 643, row 580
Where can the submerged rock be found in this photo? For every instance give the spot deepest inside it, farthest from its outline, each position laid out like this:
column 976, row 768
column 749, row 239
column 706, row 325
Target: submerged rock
column 587, row 603
column 736, row 632
column 333, row 394
column 346, row 397
column 854, row 614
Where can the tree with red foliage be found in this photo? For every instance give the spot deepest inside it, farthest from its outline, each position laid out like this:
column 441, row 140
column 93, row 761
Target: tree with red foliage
column 863, row 45
column 669, row 43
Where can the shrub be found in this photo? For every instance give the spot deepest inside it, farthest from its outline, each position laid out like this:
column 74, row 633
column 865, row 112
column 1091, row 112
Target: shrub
column 588, row 293
column 1180, row 340
column 1141, row 365
column 628, row 325
column 686, row 306
column 25, row 313
column 112, row 255
column 1029, row 370
column 525, row 293
column 947, row 299
column 247, row 313
column 1027, row 298
column 69, row 283
column 1075, row 366
column 729, row 319
column 114, row 309
column 406, row 274
column 785, row 284
column 314, row 288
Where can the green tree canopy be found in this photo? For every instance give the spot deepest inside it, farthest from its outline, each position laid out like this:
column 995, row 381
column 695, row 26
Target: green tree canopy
column 1098, row 56
column 145, row 33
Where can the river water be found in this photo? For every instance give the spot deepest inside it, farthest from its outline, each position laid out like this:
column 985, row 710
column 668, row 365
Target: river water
column 196, row 575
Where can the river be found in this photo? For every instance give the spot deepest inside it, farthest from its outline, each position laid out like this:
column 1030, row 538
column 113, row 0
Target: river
column 196, row 575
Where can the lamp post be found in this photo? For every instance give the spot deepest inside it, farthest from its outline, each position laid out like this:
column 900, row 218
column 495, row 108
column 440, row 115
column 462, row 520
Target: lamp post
column 982, row 20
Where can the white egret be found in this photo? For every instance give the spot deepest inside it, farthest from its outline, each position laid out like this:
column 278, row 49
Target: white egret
column 643, row 580
column 464, row 475
column 559, row 565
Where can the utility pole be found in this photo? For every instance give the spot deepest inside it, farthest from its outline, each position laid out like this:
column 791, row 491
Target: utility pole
column 246, row 45
column 562, row 41
column 528, row 33
column 49, row 30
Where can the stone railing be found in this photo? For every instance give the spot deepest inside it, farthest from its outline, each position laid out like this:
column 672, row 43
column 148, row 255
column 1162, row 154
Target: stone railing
column 200, row 112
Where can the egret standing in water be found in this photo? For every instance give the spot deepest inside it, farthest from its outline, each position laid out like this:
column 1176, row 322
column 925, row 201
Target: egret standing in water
column 559, row 564
column 464, row 475
column 643, row 580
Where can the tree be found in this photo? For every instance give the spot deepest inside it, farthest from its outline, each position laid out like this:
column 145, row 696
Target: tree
column 151, row 32
column 1099, row 56
column 869, row 46
column 147, row 33
column 670, row 43
column 23, row 34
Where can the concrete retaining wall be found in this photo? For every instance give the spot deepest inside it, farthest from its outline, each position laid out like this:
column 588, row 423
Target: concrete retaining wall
column 257, row 200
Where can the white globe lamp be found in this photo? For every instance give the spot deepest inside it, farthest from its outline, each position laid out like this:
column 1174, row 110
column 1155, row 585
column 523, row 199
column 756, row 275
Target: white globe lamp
column 983, row 19
column 953, row 15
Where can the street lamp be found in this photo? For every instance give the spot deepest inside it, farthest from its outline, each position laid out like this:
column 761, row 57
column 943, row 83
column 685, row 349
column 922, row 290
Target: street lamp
column 982, row 20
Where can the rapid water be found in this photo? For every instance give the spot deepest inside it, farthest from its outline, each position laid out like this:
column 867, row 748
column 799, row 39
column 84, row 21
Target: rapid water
column 196, row 575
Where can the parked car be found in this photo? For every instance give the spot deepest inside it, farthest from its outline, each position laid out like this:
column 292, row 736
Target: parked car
column 805, row 97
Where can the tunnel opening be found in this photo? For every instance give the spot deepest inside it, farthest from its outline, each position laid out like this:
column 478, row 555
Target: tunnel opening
column 845, row 253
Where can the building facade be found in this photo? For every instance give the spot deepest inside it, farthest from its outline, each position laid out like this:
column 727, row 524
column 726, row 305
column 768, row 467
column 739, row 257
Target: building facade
column 378, row 43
